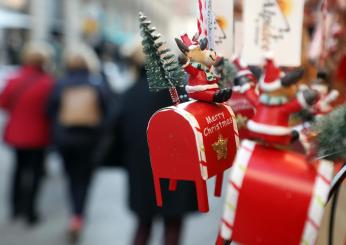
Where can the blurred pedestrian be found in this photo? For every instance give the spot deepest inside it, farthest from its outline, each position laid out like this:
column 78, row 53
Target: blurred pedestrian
column 78, row 109
column 27, row 130
column 137, row 107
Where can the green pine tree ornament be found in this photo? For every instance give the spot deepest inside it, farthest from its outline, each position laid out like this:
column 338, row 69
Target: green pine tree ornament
column 163, row 69
column 331, row 135
column 227, row 71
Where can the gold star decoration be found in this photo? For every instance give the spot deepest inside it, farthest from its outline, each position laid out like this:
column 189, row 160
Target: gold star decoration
column 220, row 147
column 241, row 121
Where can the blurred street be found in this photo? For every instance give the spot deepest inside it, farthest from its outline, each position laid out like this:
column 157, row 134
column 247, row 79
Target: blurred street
column 109, row 221
column 74, row 75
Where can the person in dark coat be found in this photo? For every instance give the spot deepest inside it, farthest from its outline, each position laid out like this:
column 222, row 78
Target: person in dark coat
column 78, row 108
column 138, row 105
column 28, row 128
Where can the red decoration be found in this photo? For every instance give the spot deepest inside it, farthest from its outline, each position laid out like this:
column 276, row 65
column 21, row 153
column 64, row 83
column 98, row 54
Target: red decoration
column 274, row 197
column 192, row 141
column 270, row 81
column 199, row 87
column 270, row 123
column 274, row 105
column 198, row 62
column 323, row 106
column 243, row 111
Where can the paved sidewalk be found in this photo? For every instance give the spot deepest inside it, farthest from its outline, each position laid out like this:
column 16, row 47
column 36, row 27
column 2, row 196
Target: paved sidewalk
column 109, row 220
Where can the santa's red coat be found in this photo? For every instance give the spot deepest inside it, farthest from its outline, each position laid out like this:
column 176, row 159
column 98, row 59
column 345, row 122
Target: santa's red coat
column 205, row 89
column 271, row 122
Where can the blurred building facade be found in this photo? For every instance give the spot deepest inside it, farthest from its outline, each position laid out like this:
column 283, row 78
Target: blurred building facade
column 90, row 20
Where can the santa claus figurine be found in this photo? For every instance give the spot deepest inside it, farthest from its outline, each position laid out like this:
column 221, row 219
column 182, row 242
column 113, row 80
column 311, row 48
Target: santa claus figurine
column 276, row 99
column 198, row 61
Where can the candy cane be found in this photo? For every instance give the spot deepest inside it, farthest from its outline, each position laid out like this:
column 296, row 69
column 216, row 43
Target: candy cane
column 201, row 21
column 324, row 52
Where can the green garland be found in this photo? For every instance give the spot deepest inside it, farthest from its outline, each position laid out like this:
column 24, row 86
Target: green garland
column 331, row 137
column 227, row 71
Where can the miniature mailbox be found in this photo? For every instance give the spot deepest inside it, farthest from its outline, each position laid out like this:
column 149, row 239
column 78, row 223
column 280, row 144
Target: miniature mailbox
column 192, row 141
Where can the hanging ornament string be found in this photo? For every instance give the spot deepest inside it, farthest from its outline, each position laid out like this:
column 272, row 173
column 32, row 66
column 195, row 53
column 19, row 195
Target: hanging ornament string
column 206, row 22
column 324, row 51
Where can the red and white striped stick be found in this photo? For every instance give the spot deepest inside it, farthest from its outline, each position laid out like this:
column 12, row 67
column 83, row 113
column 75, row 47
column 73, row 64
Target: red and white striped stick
column 201, row 22
column 324, row 51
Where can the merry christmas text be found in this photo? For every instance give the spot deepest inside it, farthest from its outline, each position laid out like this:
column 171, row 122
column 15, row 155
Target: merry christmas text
column 215, row 118
column 219, row 122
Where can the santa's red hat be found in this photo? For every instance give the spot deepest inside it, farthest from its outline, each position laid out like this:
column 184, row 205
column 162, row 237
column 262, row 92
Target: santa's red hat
column 191, row 44
column 243, row 69
column 271, row 78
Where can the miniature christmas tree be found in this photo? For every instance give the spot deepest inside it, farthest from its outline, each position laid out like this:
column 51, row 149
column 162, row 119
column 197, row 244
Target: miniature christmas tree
column 227, row 71
column 163, row 70
column 331, row 137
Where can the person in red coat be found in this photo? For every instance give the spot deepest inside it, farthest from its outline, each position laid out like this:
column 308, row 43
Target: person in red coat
column 198, row 61
column 24, row 98
column 276, row 101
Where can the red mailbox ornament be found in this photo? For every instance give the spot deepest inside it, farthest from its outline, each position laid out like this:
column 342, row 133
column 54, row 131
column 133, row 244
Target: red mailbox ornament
column 192, row 141
column 274, row 197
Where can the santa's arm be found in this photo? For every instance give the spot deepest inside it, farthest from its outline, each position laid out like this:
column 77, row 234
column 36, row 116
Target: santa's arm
column 305, row 99
column 190, row 69
column 250, row 93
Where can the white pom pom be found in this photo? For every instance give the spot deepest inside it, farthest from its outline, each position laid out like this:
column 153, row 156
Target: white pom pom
column 269, row 55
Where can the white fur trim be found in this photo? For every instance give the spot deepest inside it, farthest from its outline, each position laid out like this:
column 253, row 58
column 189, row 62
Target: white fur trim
column 269, row 55
column 268, row 129
column 199, row 88
column 303, row 86
column 187, row 63
column 302, row 100
column 321, row 89
column 268, row 87
column 236, row 89
column 242, row 62
column 193, row 46
column 244, row 88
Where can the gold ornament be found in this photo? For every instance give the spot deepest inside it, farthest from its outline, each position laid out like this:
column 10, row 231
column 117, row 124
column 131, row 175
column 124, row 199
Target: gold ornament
column 220, row 147
column 241, row 121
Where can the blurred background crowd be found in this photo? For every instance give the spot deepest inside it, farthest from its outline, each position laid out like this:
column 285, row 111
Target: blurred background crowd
column 75, row 107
